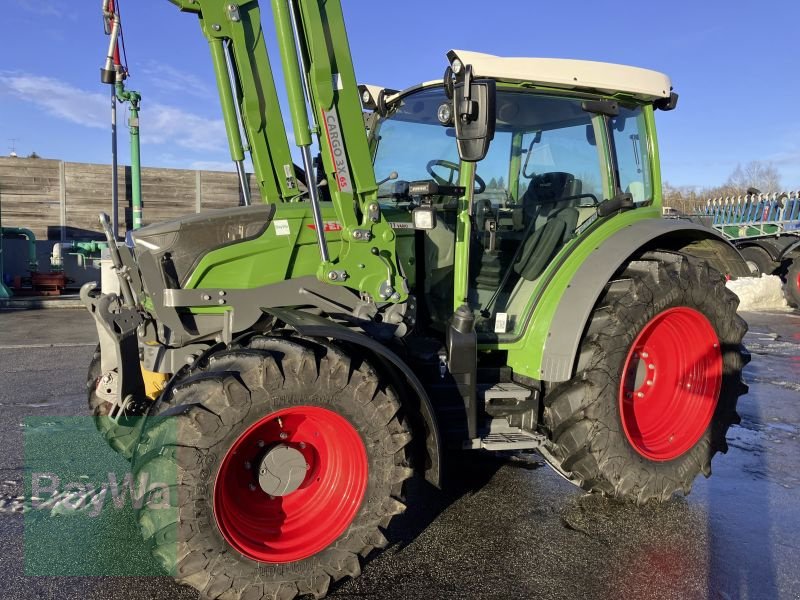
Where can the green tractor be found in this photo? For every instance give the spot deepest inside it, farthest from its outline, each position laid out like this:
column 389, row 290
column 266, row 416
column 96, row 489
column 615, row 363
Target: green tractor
column 473, row 264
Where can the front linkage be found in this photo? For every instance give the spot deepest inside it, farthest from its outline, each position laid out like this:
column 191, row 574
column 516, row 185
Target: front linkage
column 118, row 318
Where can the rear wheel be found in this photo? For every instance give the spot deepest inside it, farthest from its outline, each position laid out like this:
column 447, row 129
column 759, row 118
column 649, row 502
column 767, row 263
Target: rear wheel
column 758, row 259
column 658, row 379
column 284, row 462
column 793, row 283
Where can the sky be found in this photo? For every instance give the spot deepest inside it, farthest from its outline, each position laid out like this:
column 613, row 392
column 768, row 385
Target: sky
column 734, row 64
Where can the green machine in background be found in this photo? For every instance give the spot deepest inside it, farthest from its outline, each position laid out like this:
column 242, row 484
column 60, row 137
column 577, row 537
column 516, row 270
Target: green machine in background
column 475, row 263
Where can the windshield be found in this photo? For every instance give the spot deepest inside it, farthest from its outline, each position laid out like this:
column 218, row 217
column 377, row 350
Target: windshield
column 411, row 137
column 536, row 134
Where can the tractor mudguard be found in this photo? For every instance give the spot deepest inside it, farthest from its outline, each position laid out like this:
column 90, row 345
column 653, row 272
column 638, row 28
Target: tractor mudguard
column 310, row 325
column 566, row 329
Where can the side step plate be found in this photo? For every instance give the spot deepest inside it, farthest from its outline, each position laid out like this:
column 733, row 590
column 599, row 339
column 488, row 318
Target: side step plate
column 502, row 437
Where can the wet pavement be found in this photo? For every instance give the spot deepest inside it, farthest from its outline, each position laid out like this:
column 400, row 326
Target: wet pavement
column 507, row 527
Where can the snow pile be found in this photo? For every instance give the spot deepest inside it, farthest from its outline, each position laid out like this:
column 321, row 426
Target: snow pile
column 759, row 293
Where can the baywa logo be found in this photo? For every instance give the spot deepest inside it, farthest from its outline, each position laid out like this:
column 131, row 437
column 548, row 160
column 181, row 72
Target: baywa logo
column 49, row 493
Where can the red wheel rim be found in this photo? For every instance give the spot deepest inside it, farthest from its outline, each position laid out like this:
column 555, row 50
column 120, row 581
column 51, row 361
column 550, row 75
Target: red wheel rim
column 670, row 384
column 280, row 529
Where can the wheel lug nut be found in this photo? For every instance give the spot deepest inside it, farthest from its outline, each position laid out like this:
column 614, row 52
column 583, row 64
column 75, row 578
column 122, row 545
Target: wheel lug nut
column 651, row 367
column 260, row 443
column 284, row 435
column 645, row 355
column 302, row 445
column 252, row 487
column 640, row 395
column 649, row 382
column 247, row 465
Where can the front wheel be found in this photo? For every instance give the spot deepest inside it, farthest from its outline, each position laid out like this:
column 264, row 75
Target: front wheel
column 283, row 463
column 658, row 379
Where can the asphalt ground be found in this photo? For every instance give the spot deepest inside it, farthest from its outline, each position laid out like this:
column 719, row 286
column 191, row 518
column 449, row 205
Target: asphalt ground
column 506, row 527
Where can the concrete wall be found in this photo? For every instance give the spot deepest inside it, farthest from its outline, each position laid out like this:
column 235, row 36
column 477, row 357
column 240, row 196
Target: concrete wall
column 48, row 196
column 61, row 200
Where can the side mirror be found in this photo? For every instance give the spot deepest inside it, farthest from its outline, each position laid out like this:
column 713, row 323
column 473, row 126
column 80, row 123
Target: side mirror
column 474, row 115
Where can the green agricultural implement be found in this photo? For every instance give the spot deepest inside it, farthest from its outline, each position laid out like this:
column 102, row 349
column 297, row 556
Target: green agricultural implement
column 473, row 264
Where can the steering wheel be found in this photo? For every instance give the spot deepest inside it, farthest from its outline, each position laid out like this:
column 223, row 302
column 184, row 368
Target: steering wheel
column 452, row 178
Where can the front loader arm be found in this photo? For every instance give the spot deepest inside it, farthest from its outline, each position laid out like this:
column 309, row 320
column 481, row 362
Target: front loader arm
column 247, row 92
column 313, row 39
column 320, row 81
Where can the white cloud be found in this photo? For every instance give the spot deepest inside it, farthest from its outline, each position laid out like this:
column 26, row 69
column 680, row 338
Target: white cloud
column 60, row 99
column 173, row 81
column 46, row 8
column 161, row 123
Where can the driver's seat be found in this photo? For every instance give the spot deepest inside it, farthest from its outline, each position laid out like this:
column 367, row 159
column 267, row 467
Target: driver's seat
column 549, row 203
column 545, row 192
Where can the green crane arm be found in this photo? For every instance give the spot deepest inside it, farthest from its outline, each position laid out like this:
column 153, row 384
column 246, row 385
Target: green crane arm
column 320, row 80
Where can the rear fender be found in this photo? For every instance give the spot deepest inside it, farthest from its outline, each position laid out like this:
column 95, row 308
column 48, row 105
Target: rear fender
column 562, row 334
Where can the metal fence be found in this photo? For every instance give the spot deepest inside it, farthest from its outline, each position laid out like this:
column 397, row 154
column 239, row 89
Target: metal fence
column 755, row 215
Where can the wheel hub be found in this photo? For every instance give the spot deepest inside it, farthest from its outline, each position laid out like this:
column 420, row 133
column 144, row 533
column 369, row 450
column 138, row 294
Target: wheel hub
column 282, row 470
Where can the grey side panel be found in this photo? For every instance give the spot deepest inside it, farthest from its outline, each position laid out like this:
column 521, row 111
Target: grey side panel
column 314, row 326
column 561, row 348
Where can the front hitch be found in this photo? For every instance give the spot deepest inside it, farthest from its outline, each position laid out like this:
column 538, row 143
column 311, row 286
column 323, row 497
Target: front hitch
column 121, row 383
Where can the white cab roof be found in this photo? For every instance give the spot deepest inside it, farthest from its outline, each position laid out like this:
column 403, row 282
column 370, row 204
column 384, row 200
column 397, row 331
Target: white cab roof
column 570, row 74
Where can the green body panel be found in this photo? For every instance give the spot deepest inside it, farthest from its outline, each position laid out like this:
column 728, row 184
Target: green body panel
column 287, row 249
column 525, row 354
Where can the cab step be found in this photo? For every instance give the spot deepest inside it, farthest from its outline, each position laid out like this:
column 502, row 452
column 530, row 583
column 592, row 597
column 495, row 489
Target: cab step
column 501, row 436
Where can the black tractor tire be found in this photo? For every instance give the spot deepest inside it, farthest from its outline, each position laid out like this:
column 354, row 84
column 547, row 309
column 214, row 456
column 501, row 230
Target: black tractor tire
column 97, row 406
column 792, row 289
column 211, row 413
column 585, row 417
column 759, row 258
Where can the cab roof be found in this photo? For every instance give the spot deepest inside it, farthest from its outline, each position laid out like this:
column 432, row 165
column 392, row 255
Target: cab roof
column 569, row 74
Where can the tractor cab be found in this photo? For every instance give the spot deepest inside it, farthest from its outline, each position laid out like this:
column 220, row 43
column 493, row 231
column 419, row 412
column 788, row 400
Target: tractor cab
column 567, row 152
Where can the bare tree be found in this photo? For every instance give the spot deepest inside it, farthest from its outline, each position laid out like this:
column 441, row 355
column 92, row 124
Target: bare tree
column 762, row 176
